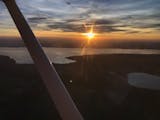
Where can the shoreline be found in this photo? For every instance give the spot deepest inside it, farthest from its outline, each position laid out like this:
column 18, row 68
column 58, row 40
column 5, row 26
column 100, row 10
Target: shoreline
column 61, row 55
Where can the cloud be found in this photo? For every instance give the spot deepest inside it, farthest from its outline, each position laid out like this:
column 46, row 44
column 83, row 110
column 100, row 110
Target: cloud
column 150, row 21
column 67, row 27
column 108, row 28
column 100, row 26
column 36, row 19
column 152, row 25
column 132, row 32
column 70, row 15
column 104, row 22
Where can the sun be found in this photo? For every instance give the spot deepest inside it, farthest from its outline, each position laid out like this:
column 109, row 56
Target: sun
column 90, row 35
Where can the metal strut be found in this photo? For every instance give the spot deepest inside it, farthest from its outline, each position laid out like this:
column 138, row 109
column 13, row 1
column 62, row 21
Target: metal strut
column 52, row 81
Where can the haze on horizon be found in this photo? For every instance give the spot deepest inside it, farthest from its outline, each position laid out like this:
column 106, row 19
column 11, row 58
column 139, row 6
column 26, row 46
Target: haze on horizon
column 68, row 19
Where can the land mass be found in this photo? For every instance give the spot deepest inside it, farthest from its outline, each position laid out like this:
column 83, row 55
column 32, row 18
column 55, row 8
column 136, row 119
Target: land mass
column 69, row 43
column 97, row 83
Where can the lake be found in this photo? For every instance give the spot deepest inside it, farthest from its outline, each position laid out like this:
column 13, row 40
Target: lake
column 59, row 55
column 144, row 80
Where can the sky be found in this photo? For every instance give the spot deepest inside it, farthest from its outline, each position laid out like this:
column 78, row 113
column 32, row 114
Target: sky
column 111, row 19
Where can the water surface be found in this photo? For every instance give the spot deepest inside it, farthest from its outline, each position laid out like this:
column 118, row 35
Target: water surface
column 59, row 55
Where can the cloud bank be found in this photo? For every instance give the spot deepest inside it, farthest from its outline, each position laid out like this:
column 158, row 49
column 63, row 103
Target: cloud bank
column 126, row 16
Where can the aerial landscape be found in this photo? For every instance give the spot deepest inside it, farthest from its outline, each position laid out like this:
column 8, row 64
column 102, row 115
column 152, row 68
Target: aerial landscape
column 106, row 52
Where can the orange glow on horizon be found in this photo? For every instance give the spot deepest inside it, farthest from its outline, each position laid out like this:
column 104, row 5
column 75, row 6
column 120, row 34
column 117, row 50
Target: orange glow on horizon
column 81, row 36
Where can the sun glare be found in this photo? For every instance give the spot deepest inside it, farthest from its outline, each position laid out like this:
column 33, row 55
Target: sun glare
column 90, row 35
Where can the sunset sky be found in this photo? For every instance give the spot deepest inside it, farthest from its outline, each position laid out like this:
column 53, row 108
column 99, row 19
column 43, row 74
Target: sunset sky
column 112, row 19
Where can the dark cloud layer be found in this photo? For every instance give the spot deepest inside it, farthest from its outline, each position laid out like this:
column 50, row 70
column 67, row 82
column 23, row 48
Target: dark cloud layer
column 100, row 26
column 36, row 18
column 66, row 27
